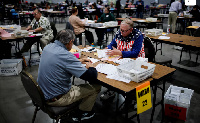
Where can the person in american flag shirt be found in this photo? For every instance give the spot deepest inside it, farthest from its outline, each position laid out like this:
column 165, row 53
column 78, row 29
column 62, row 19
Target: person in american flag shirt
column 128, row 43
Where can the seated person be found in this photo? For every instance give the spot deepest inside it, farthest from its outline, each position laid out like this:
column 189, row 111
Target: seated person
column 195, row 12
column 79, row 26
column 14, row 14
column 57, row 66
column 96, row 13
column 127, row 3
column 128, row 43
column 105, row 17
column 112, row 5
column 131, row 5
column 41, row 25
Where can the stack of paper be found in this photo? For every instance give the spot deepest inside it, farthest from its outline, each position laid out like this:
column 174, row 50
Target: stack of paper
column 111, row 72
column 123, row 61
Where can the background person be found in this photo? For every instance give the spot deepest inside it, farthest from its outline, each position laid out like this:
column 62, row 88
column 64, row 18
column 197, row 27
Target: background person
column 79, row 26
column 57, row 65
column 42, row 25
column 140, row 8
column 195, row 13
column 118, row 7
column 105, row 17
column 175, row 8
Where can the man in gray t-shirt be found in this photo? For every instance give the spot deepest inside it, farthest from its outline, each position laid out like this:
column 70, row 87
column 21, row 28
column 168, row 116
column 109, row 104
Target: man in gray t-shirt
column 57, row 65
column 173, row 12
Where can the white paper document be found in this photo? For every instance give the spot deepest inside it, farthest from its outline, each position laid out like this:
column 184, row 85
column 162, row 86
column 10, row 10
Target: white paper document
column 93, row 60
column 117, row 77
column 108, row 69
column 124, row 60
column 164, row 37
column 102, row 53
column 89, row 49
column 111, row 72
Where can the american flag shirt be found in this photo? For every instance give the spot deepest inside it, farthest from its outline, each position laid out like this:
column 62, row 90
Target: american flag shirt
column 131, row 46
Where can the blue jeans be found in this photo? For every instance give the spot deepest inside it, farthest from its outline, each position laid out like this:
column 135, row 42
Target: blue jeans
column 139, row 14
column 100, row 33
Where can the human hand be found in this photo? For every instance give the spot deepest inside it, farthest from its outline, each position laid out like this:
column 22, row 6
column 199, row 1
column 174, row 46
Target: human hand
column 28, row 28
column 31, row 30
column 95, row 21
column 114, row 52
column 89, row 64
column 85, row 60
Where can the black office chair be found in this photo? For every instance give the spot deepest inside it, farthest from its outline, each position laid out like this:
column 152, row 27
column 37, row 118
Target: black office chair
column 159, row 59
column 150, row 54
column 35, row 93
column 69, row 26
column 53, row 27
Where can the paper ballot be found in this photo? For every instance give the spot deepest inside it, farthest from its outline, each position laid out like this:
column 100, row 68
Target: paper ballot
column 164, row 37
column 111, row 72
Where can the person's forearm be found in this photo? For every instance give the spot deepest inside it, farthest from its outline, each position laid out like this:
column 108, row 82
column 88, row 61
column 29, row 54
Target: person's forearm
column 38, row 29
column 28, row 28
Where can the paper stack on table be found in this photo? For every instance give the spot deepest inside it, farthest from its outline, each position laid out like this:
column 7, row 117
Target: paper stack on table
column 164, row 37
column 102, row 53
column 3, row 33
column 108, row 69
column 123, row 61
column 111, row 72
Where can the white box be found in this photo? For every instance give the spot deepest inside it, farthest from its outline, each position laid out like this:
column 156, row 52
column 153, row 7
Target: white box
column 153, row 32
column 196, row 23
column 133, row 70
column 151, row 19
column 178, row 96
column 10, row 67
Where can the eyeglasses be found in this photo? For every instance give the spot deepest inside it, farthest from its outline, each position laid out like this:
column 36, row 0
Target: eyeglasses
column 124, row 31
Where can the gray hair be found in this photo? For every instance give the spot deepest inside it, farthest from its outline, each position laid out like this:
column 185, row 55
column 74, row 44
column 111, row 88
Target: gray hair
column 128, row 21
column 65, row 36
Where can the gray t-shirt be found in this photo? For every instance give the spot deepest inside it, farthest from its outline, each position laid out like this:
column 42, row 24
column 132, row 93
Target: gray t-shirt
column 57, row 65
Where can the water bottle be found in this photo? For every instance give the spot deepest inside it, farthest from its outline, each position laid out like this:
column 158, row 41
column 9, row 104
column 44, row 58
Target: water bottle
column 77, row 42
column 83, row 40
column 168, row 29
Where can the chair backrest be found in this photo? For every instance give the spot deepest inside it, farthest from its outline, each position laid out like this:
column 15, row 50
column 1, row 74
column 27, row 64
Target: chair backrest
column 197, row 33
column 33, row 89
column 149, row 49
column 53, row 27
column 69, row 26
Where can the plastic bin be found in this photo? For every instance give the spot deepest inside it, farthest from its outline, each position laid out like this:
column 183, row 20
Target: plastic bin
column 151, row 19
column 136, row 70
column 177, row 102
column 10, row 67
column 153, row 32
column 196, row 23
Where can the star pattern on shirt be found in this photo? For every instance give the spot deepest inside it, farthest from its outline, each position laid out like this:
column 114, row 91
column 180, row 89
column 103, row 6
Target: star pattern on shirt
column 131, row 37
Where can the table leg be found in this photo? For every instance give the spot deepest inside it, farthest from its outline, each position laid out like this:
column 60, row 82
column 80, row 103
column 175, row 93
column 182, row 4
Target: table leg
column 154, row 103
column 162, row 101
